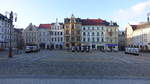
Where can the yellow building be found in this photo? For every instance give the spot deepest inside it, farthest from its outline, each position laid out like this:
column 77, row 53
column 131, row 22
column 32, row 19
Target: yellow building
column 72, row 32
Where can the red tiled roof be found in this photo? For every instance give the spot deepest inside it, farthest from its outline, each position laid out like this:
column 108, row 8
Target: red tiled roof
column 45, row 26
column 93, row 22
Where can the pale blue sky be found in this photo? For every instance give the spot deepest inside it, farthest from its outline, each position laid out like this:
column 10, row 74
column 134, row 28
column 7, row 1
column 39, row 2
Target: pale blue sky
column 46, row 11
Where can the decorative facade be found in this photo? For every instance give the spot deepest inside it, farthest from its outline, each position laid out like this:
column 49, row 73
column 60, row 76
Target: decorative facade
column 57, row 35
column 72, row 32
column 30, row 35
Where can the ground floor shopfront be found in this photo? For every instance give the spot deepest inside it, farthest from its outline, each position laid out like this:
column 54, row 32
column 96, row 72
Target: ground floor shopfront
column 101, row 47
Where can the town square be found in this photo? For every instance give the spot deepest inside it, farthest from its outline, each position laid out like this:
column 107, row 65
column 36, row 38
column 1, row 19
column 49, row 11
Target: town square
column 74, row 42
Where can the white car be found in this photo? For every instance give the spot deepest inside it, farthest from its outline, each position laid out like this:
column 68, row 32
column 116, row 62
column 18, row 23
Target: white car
column 135, row 51
column 28, row 49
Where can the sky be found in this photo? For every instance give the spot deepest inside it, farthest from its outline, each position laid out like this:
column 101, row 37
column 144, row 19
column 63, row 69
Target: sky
column 46, row 11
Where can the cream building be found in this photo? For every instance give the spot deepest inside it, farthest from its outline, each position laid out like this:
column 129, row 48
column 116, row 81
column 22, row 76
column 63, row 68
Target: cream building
column 111, row 36
column 30, row 35
column 138, row 36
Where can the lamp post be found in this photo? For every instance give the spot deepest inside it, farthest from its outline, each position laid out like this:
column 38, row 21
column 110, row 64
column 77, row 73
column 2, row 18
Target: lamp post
column 11, row 18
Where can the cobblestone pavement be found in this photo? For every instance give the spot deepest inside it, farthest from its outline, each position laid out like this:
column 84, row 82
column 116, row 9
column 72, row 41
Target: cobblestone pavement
column 64, row 63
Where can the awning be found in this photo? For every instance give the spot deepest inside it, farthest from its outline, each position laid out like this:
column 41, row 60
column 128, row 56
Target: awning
column 111, row 45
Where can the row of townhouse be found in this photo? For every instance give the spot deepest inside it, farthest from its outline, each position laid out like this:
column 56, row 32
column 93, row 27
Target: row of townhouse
column 16, row 35
column 94, row 33
column 45, row 35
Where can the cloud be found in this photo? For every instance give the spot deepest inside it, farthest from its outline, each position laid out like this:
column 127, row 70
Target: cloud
column 139, row 8
column 133, row 14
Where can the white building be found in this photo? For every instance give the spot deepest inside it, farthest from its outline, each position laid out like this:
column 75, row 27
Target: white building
column 99, row 34
column 44, row 35
column 138, row 36
column 4, row 32
column 57, row 35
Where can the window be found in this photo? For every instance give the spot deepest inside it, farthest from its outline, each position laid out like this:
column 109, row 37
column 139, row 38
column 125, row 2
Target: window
column 61, row 33
column 97, row 39
column 88, row 33
column 78, row 38
column 93, row 39
column 88, row 39
column 67, row 38
column 102, row 28
column 58, row 39
column 72, row 39
column 84, row 33
column 72, row 27
column 97, row 33
column 78, row 32
column 67, row 26
column 67, row 31
column 102, row 40
column 83, row 28
column 83, row 39
column 88, row 28
column 61, row 39
column 97, row 28
column 92, row 28
column 92, row 33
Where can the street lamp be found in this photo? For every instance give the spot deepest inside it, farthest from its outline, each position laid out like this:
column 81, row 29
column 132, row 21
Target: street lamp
column 11, row 18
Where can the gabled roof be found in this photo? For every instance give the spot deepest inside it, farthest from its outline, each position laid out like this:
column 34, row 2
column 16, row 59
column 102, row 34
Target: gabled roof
column 45, row 26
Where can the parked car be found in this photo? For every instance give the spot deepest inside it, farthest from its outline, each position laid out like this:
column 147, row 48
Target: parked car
column 33, row 48
column 134, row 51
column 28, row 49
column 115, row 50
